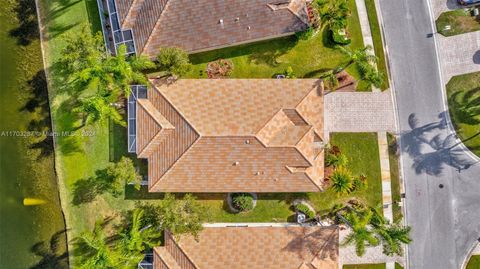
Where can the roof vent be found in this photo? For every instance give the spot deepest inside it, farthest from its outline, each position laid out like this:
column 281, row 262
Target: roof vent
column 247, row 141
column 220, row 21
column 248, row 27
column 237, row 19
column 257, row 173
column 236, row 163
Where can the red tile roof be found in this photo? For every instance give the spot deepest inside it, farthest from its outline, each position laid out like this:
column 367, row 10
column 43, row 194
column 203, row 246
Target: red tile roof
column 258, row 135
column 204, row 25
column 288, row 247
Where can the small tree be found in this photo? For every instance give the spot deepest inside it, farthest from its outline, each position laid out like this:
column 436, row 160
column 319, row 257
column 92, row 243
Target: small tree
column 361, row 235
column 95, row 251
column 123, row 172
column 174, row 61
column 97, row 108
column 181, row 216
column 333, row 13
column 242, row 201
column 342, row 181
column 392, row 237
column 136, row 237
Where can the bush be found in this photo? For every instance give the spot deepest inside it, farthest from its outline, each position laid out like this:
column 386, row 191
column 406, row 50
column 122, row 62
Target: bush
column 305, row 210
column 173, row 60
column 219, row 68
column 340, row 37
column 242, row 201
column 360, row 183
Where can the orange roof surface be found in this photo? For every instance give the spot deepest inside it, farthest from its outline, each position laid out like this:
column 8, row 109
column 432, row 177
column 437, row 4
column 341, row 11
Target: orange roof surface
column 256, row 135
column 289, row 247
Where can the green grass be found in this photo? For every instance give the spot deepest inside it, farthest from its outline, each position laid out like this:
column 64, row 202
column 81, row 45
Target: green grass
column 308, row 58
column 362, row 152
column 460, row 21
column 398, row 266
column 394, row 177
column 365, row 266
column 79, row 156
column 464, row 103
column 474, row 262
column 377, row 41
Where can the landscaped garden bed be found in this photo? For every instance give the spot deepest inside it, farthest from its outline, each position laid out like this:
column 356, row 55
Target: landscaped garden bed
column 457, row 21
column 393, row 155
column 463, row 100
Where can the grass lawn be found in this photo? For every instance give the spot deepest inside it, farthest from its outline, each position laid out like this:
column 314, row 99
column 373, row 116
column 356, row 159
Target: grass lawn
column 464, row 103
column 394, row 176
column 474, row 262
column 377, row 41
column 398, row 266
column 90, row 149
column 365, row 266
column 363, row 158
column 308, row 58
column 459, row 20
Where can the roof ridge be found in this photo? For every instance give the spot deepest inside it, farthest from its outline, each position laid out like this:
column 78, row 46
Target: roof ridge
column 150, row 36
column 169, row 260
column 153, row 119
column 124, row 22
column 172, row 237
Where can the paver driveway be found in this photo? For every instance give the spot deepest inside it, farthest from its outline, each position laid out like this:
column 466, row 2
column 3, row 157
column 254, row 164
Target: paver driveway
column 459, row 54
column 359, row 112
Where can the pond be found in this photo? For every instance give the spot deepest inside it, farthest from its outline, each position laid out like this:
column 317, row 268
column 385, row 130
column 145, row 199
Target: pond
column 30, row 236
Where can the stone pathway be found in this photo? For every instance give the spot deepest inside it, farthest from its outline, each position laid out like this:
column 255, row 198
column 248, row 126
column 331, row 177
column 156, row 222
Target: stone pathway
column 459, row 54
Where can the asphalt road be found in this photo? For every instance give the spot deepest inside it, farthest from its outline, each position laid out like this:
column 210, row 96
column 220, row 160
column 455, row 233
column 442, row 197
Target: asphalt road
column 442, row 180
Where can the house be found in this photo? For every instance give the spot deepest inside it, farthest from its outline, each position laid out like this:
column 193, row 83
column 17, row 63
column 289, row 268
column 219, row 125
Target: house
column 197, row 25
column 229, row 135
column 240, row 247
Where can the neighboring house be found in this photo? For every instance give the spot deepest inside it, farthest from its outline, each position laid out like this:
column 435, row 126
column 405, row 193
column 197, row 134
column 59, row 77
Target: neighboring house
column 277, row 247
column 197, row 25
column 229, row 135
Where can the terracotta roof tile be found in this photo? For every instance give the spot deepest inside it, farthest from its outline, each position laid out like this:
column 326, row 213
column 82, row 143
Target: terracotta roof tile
column 235, row 135
column 195, row 25
column 261, row 248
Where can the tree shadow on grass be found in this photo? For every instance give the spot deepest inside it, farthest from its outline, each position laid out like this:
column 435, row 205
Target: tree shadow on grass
column 53, row 254
column 27, row 30
column 86, row 190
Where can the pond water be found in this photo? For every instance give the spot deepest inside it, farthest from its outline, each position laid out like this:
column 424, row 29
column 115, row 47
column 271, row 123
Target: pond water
column 30, row 236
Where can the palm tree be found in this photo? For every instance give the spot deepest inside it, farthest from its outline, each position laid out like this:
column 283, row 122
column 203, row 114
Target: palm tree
column 126, row 70
column 362, row 56
column 361, row 235
column 371, row 75
column 136, row 237
column 342, row 181
column 94, row 250
column 392, row 238
column 330, row 80
column 333, row 13
column 98, row 108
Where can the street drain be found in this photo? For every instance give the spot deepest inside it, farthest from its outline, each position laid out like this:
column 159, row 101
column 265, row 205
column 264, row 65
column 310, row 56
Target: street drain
column 440, row 186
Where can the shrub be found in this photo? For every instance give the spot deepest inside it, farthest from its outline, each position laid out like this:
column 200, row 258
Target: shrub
column 360, row 183
column 305, row 210
column 336, row 160
column 242, row 201
column 342, row 181
column 173, row 60
column 289, row 73
column 339, row 36
column 219, row 68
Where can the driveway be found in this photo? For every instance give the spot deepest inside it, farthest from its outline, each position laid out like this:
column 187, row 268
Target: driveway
column 459, row 54
column 359, row 112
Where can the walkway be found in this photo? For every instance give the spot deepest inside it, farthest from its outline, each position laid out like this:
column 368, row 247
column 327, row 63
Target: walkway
column 359, row 112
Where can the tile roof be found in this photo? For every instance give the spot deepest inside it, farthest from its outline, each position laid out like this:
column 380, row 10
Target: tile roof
column 203, row 25
column 232, row 135
column 289, row 247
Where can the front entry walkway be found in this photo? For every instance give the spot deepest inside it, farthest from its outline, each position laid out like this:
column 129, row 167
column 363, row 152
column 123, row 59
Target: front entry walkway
column 359, row 112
